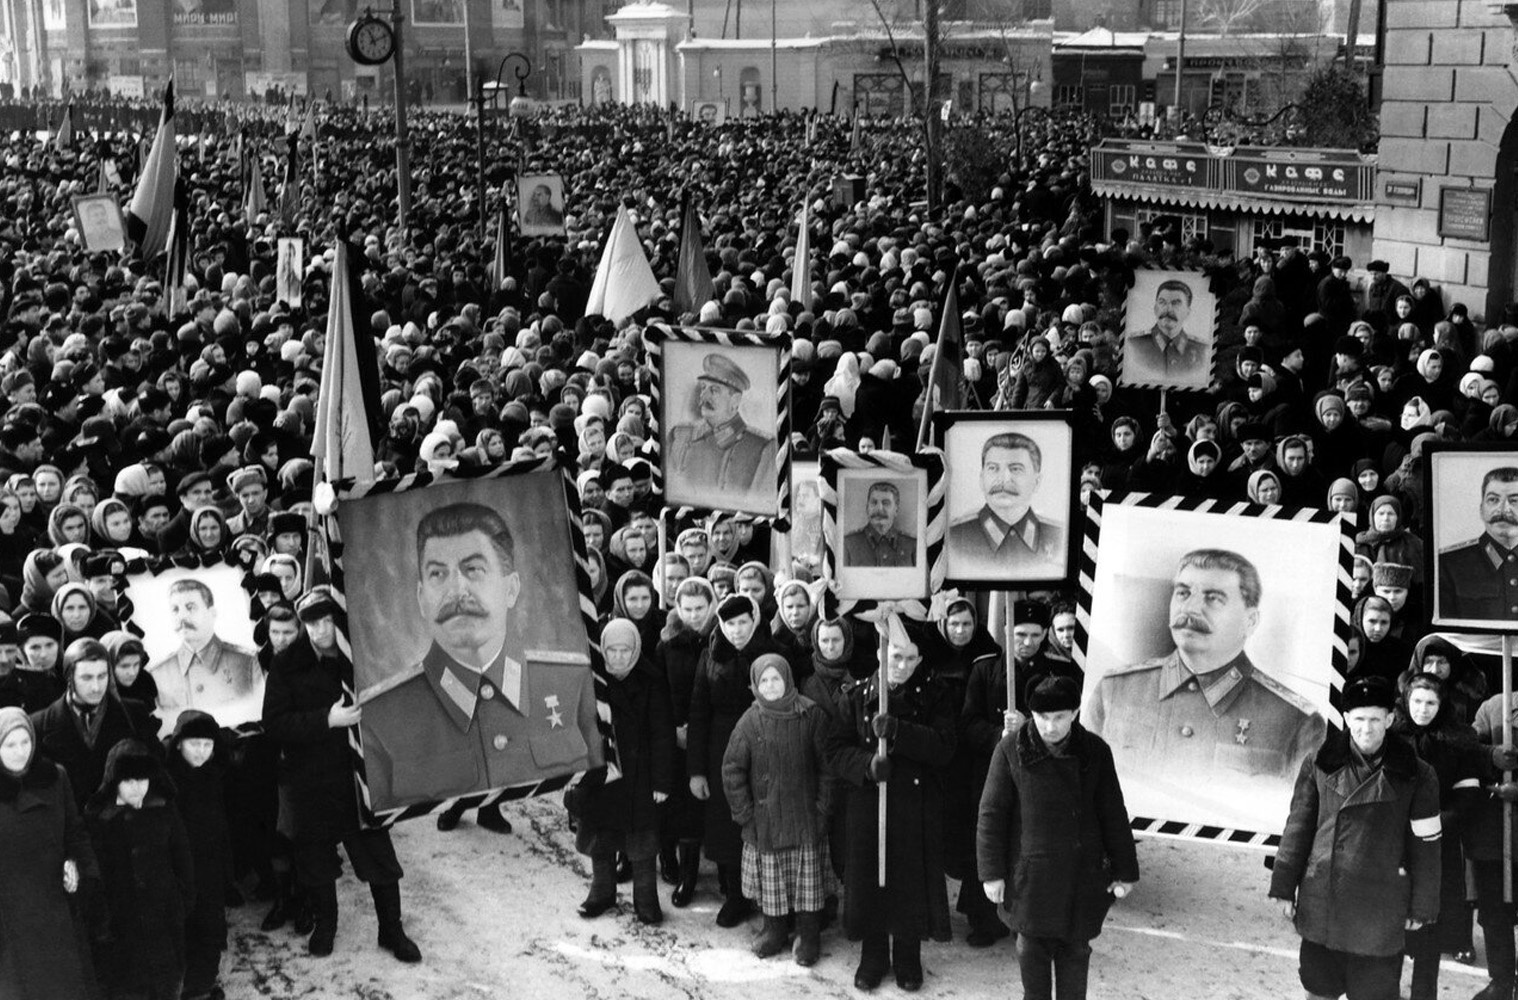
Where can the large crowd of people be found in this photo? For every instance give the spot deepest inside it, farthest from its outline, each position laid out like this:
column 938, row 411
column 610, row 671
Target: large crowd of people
column 747, row 719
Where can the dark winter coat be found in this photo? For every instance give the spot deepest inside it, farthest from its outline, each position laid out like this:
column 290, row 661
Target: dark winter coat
column 962, row 778
column 203, row 810
column 915, row 900
column 774, row 777
column 59, row 739
column 44, row 952
column 1360, row 859
column 719, row 698
column 676, row 658
column 645, row 752
column 149, row 882
column 316, row 766
column 1055, row 829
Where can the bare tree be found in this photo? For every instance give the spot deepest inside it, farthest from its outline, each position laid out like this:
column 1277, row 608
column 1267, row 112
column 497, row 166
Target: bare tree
column 920, row 97
column 1228, row 15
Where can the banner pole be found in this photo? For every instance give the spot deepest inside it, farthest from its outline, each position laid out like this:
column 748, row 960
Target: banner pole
column 1507, row 776
column 1009, row 617
column 880, row 752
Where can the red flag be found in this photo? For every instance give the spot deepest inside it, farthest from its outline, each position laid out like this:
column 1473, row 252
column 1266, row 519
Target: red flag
column 289, row 191
column 175, row 300
column 500, row 264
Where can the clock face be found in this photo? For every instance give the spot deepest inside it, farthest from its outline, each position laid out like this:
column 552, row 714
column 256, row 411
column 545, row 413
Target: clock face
column 372, row 41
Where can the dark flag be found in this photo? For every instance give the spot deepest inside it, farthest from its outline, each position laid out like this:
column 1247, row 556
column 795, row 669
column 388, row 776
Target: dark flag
column 693, row 278
column 945, row 390
column 152, row 207
column 174, row 299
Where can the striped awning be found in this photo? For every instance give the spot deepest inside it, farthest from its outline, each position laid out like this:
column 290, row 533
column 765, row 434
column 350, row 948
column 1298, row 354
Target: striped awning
column 1227, row 201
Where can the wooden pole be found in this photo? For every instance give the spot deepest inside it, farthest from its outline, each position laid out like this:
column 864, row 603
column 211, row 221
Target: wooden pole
column 1010, row 620
column 881, row 749
column 1507, row 776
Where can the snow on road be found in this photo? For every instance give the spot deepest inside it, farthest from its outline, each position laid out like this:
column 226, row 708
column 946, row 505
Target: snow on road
column 495, row 918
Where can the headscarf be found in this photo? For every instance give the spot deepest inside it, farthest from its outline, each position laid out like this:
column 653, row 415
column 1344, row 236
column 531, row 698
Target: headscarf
column 61, row 513
column 806, row 626
column 64, row 593
column 633, row 578
column 12, row 719
column 36, row 592
column 620, row 631
column 97, row 521
column 788, row 703
column 951, row 609
column 292, row 590
column 132, row 481
column 200, row 515
column 1258, row 477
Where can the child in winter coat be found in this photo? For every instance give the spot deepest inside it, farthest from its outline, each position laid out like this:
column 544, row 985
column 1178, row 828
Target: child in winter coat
column 620, row 817
column 781, row 797
column 196, row 766
column 145, row 863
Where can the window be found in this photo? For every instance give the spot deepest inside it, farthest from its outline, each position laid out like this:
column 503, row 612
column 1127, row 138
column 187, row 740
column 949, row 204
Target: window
column 1121, row 98
column 1308, row 232
column 1067, row 96
column 1192, row 225
column 1167, row 13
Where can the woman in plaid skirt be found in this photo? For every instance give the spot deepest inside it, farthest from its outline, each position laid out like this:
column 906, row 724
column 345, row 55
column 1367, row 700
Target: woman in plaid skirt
column 780, row 796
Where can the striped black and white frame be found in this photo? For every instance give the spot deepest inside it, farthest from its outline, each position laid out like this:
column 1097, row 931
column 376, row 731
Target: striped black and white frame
column 686, row 498
column 930, row 524
column 1054, row 506
column 1326, row 544
column 1138, row 315
column 351, row 496
column 126, row 609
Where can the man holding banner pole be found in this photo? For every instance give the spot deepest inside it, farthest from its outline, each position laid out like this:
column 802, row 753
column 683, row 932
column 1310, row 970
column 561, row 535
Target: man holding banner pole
column 893, row 757
column 1489, row 847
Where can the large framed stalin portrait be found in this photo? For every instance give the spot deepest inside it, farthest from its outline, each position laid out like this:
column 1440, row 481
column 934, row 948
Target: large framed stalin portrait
column 471, row 653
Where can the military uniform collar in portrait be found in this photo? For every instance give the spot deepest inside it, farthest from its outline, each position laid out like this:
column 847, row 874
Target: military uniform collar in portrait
column 892, row 542
column 1181, row 348
column 724, row 435
column 1219, row 687
column 1026, row 530
column 459, row 688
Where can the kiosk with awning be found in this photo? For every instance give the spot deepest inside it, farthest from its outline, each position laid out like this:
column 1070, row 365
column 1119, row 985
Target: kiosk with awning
column 1320, row 199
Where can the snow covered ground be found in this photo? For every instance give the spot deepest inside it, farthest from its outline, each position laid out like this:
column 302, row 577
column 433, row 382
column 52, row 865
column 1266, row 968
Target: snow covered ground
column 495, row 918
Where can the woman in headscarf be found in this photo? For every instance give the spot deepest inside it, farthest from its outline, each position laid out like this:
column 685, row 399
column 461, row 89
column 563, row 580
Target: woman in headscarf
column 129, row 668
column 41, row 575
column 15, row 543
column 1264, row 487
column 1387, row 540
column 627, row 549
column 490, row 446
column 1122, row 454
column 81, row 616
column 1449, row 747
column 111, row 524
column 45, row 857
column 720, row 696
column 792, row 626
column 208, row 533
column 1203, row 476
column 49, row 482
column 775, row 778
column 287, row 570
column 621, row 817
column 635, row 599
column 949, row 651
column 68, row 523
column 621, row 448
column 686, row 634
column 82, row 492
column 600, row 585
